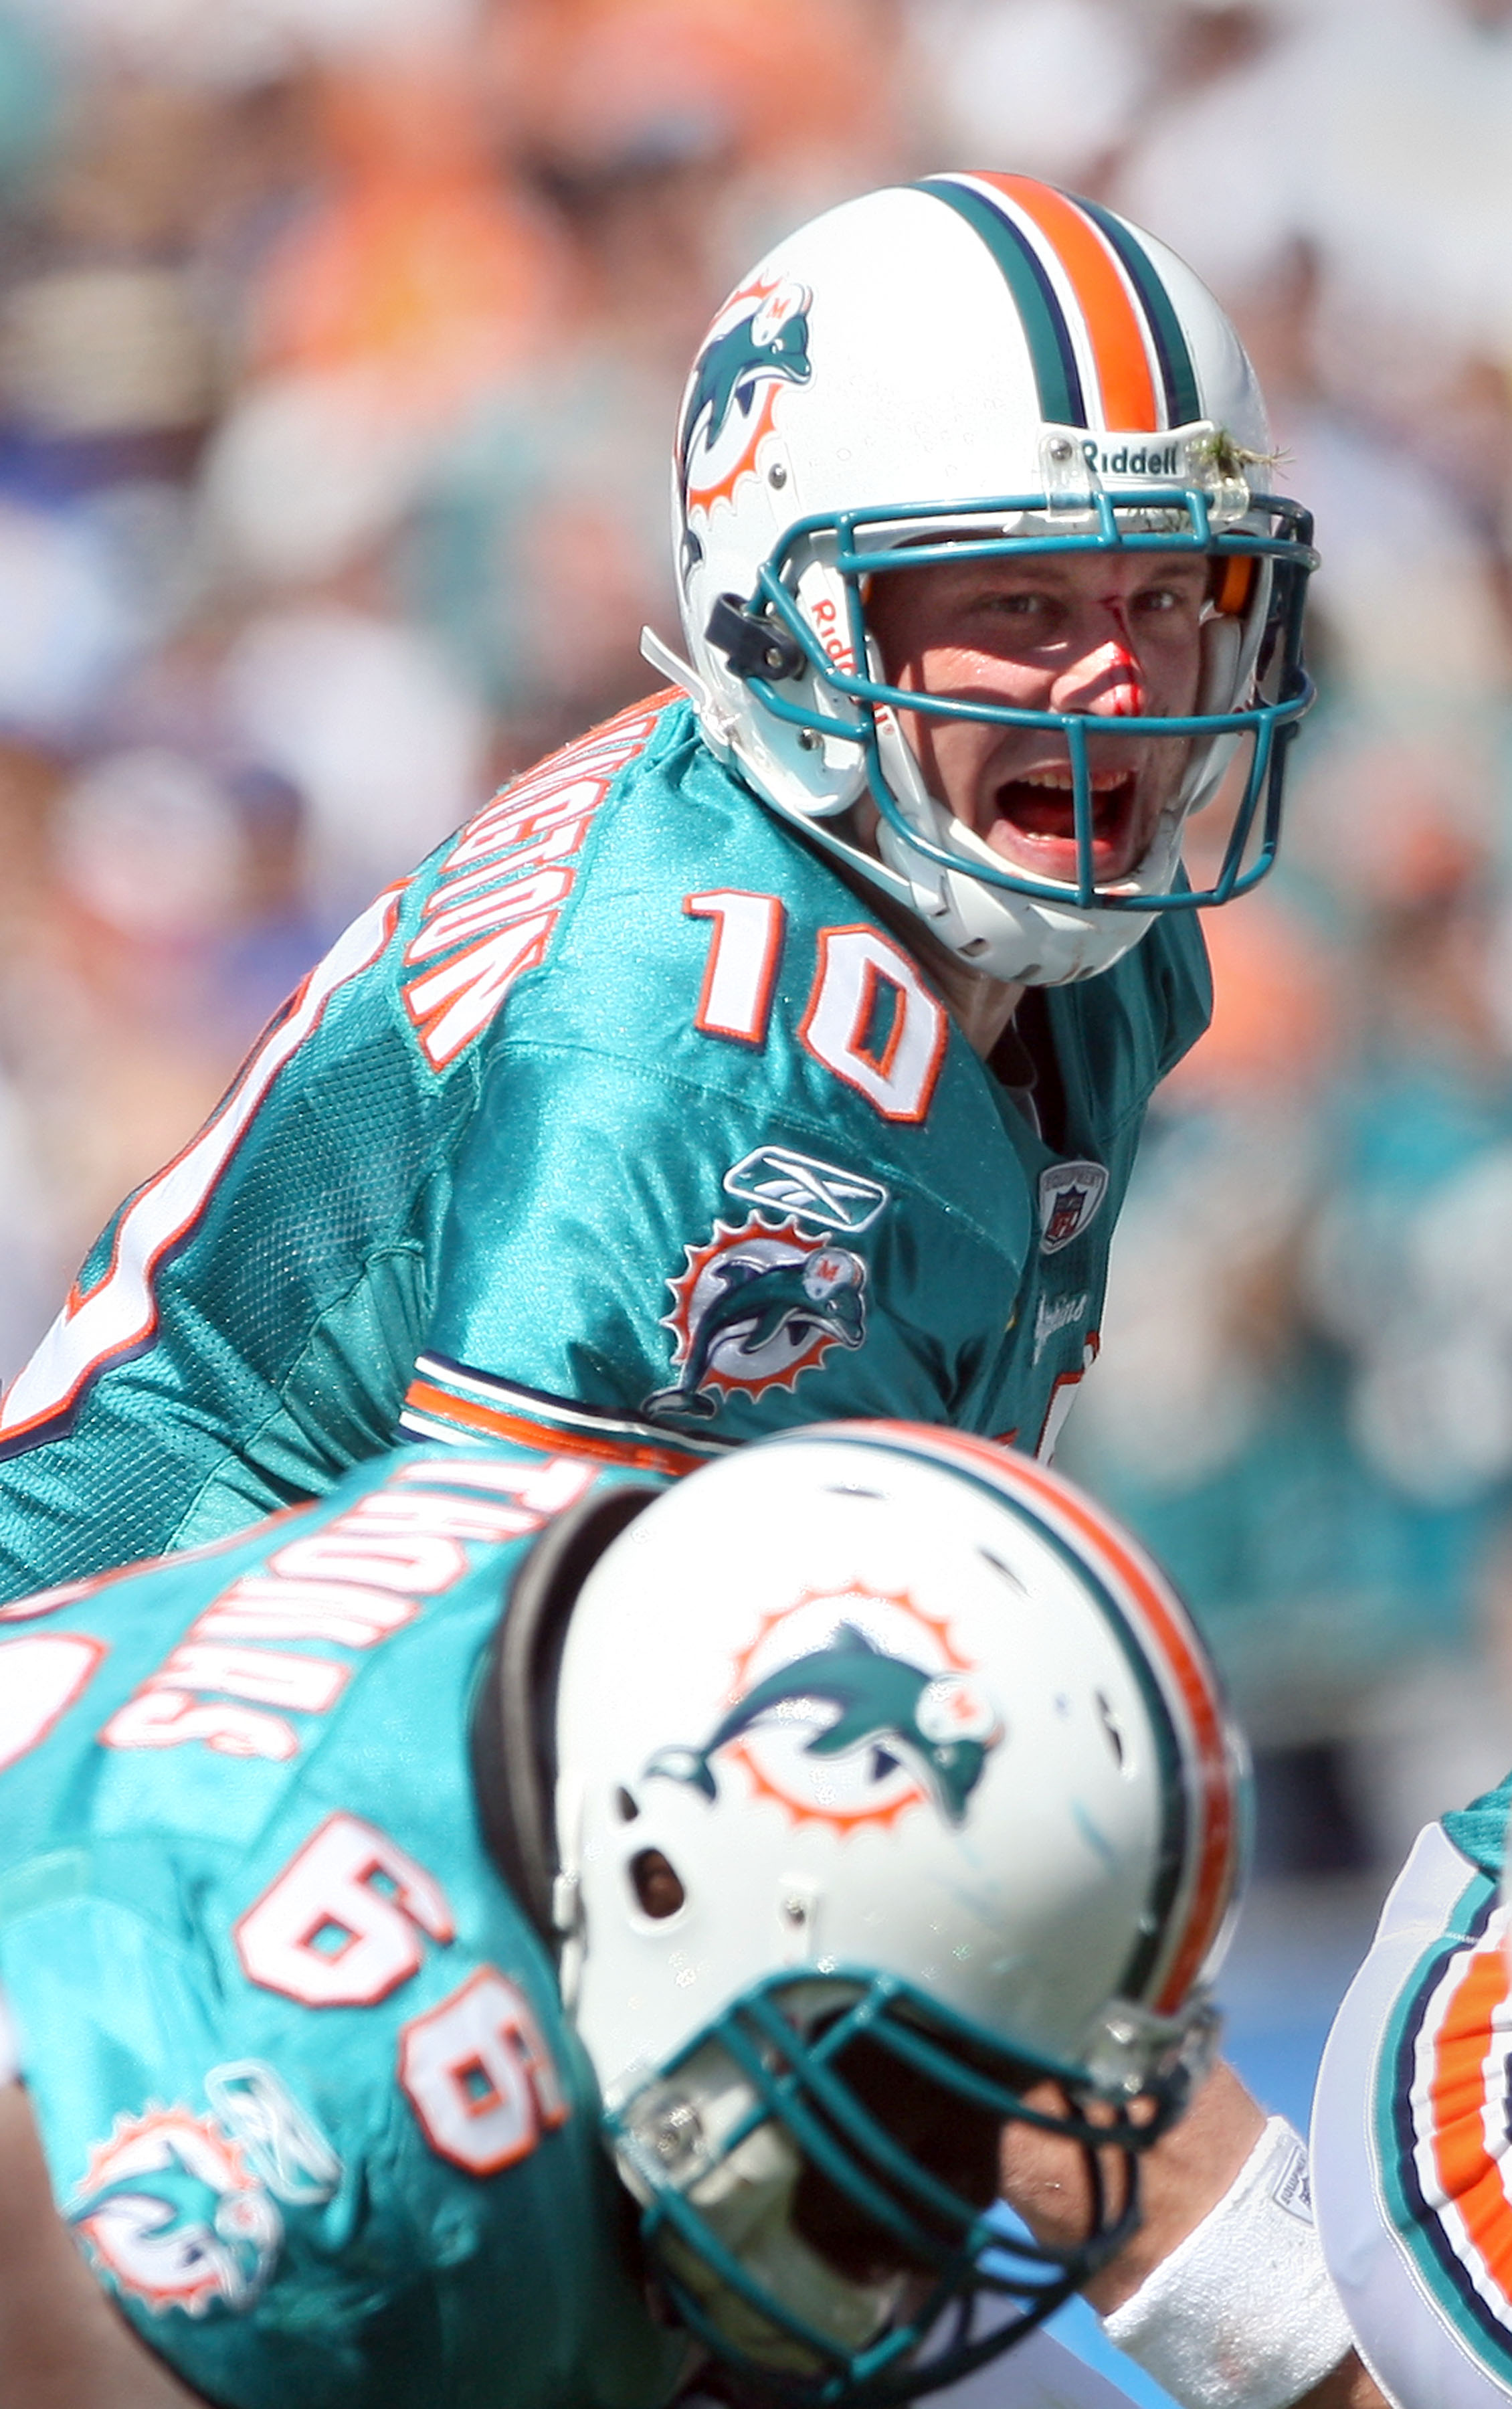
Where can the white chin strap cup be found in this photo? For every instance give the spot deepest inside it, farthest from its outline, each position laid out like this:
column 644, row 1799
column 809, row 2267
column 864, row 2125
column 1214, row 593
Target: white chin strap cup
column 1003, row 935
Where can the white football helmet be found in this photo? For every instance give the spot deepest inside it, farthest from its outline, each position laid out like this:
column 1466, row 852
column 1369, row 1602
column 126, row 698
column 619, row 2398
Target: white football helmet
column 892, row 1781
column 976, row 360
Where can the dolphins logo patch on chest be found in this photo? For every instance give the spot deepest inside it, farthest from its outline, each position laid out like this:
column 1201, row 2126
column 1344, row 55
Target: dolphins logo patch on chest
column 174, row 2215
column 754, row 1309
column 855, row 1728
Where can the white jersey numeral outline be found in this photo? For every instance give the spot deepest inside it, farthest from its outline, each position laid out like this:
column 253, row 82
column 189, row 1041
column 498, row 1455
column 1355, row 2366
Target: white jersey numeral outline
column 327, row 1889
column 479, row 2076
column 119, row 1312
column 748, row 942
column 41, row 1675
column 855, row 965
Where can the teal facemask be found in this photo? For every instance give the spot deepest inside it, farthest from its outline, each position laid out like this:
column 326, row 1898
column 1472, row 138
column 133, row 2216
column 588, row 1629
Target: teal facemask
column 770, row 644
column 818, row 2175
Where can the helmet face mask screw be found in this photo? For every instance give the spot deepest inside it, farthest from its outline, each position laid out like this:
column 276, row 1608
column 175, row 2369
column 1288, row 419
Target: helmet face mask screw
column 754, row 648
column 678, row 2133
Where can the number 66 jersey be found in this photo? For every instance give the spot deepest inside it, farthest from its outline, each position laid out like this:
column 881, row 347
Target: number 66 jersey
column 624, row 1126
column 305, row 2088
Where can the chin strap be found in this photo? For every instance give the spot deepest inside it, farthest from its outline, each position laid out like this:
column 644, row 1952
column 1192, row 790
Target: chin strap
column 711, row 711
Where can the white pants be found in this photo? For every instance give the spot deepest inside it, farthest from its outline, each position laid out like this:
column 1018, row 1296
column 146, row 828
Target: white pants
column 1412, row 2140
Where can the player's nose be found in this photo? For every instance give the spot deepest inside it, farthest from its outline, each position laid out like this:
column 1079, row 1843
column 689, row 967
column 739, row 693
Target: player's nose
column 1104, row 679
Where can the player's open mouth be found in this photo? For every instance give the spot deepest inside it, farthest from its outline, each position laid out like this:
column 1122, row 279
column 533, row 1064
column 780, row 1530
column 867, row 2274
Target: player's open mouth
column 1033, row 821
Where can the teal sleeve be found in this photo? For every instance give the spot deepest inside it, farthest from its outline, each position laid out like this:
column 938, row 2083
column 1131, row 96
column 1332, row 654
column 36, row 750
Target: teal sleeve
column 117, row 2038
column 1478, row 1831
column 254, row 2192
column 580, row 1180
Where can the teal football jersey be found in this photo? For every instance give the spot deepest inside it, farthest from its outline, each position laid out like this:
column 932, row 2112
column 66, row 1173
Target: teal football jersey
column 622, row 1125
column 305, row 2088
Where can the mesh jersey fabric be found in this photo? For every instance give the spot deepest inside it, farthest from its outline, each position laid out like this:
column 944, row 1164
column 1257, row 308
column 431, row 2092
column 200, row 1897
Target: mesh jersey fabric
column 624, row 1124
column 305, row 2088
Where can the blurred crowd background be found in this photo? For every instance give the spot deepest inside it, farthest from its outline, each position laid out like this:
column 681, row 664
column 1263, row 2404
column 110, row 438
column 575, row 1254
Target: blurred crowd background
column 340, row 346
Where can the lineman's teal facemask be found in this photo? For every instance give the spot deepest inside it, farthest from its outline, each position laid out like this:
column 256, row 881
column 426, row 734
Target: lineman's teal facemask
column 818, row 2173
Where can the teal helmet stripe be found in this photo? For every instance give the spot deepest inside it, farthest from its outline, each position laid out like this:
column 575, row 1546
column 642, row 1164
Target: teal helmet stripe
column 1178, row 373
column 1051, row 349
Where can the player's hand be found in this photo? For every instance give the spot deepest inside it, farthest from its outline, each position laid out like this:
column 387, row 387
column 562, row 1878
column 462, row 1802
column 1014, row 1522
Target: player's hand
column 1187, row 2173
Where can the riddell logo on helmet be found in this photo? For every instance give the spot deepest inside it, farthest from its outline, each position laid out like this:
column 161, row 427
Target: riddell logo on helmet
column 1142, row 460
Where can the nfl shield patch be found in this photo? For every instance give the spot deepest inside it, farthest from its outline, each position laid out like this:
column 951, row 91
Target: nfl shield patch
column 1069, row 1195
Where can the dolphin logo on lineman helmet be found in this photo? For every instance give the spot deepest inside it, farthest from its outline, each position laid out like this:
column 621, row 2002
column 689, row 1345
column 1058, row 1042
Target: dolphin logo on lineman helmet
column 883, row 1703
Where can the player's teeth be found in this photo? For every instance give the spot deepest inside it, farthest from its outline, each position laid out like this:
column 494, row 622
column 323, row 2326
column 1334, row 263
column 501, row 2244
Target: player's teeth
column 1060, row 783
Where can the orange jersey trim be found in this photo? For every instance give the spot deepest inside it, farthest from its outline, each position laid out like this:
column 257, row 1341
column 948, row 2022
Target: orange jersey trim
column 467, row 1414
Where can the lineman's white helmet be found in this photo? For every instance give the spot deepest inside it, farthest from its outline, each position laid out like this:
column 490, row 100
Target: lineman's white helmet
column 983, row 358
column 884, row 1756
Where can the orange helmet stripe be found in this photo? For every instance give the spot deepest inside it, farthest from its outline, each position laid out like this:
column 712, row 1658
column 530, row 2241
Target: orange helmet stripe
column 1123, row 369
column 1217, row 1848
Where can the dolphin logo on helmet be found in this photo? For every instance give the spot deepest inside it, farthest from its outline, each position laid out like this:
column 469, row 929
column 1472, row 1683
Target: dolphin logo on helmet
column 938, row 1722
column 765, row 346
column 1067, row 387
column 804, row 1646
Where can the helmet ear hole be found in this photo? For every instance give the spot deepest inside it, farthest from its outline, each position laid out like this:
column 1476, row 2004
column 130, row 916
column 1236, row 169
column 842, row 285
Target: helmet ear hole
column 659, row 1891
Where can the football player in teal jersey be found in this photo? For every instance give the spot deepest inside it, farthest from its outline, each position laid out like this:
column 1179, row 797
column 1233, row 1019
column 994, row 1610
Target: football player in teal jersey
column 780, row 1049
column 514, row 1929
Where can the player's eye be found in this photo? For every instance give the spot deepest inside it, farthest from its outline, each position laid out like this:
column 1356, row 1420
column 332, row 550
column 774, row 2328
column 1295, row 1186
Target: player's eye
column 1162, row 601
column 1026, row 611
